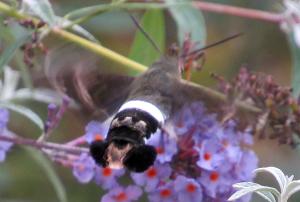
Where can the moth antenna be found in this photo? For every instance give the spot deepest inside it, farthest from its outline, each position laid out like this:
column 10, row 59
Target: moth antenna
column 147, row 35
column 213, row 44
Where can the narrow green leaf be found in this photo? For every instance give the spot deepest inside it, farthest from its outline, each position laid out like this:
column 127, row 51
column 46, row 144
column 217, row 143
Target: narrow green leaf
column 95, row 10
column 189, row 20
column 291, row 189
column 277, row 173
column 42, row 9
column 266, row 195
column 90, row 10
column 295, row 51
column 43, row 95
column 24, row 111
column 10, row 83
column 24, row 72
column 251, row 189
column 245, row 185
column 50, row 172
column 5, row 33
column 38, row 94
column 76, row 28
column 9, row 52
column 242, row 185
column 142, row 50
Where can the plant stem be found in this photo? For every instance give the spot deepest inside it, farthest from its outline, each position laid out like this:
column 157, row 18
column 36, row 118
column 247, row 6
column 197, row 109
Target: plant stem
column 96, row 48
column 44, row 145
column 105, row 52
column 205, row 6
column 77, row 141
column 238, row 11
column 102, row 51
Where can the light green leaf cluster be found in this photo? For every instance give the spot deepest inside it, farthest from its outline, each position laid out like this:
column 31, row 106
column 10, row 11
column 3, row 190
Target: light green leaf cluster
column 287, row 185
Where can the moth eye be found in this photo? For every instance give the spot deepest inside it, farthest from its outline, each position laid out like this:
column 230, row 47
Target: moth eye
column 140, row 158
column 98, row 151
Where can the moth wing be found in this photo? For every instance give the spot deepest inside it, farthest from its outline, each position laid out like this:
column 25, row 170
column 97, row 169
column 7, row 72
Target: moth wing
column 188, row 92
column 74, row 71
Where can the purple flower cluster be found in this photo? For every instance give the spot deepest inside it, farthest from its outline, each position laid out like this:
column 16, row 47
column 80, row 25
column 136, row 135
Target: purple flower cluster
column 215, row 155
column 198, row 160
column 4, row 146
column 55, row 114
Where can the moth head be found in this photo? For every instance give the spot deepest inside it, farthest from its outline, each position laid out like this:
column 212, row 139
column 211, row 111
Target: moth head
column 120, row 153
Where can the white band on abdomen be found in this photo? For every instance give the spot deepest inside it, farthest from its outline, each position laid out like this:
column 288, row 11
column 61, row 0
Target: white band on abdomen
column 146, row 107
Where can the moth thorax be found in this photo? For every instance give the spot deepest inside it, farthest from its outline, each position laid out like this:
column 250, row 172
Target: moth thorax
column 154, row 111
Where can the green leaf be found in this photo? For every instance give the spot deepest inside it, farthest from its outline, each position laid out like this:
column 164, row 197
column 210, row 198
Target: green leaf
column 266, row 195
column 189, row 20
column 43, row 95
column 50, row 173
column 23, row 70
column 95, row 10
column 9, row 52
column 244, row 185
column 291, row 189
column 42, row 9
column 10, row 83
column 295, row 83
column 76, row 28
column 90, row 10
column 277, row 173
column 154, row 25
column 253, row 187
column 295, row 50
column 24, row 111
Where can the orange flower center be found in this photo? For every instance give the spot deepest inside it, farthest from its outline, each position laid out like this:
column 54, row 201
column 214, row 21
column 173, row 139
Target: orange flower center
column 207, row 156
column 98, row 137
column 165, row 193
column 106, row 172
column 151, row 173
column 191, row 187
column 81, row 167
column 225, row 143
column 160, row 150
column 121, row 197
column 214, row 176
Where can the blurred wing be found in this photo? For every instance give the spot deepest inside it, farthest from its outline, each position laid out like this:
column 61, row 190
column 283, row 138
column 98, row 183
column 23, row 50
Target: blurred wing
column 188, row 92
column 73, row 71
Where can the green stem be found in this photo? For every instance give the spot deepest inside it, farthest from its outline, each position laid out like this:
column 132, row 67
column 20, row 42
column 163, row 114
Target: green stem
column 88, row 13
column 11, row 11
column 105, row 52
column 4, row 8
column 102, row 51
column 92, row 11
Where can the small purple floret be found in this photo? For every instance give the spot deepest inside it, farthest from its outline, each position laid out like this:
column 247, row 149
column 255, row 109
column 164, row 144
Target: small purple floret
column 95, row 130
column 4, row 146
column 187, row 189
column 165, row 146
column 122, row 194
column 152, row 177
column 84, row 168
column 107, row 177
column 164, row 193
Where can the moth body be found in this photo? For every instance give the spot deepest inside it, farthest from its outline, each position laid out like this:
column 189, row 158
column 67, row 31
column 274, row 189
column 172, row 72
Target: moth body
column 148, row 104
